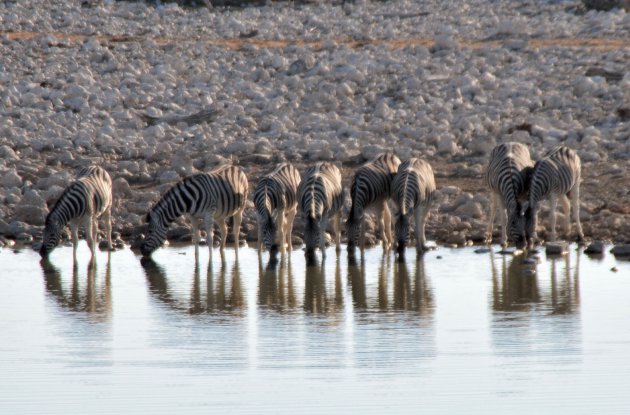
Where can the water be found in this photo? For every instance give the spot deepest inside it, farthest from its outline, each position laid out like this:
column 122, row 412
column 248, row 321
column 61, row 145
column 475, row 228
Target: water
column 456, row 331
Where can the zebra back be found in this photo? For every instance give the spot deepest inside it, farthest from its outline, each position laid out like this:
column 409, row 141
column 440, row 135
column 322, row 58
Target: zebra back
column 372, row 182
column 222, row 191
column 557, row 172
column 320, row 190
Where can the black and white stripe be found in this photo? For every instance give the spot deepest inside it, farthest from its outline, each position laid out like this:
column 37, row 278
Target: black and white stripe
column 275, row 200
column 556, row 176
column 371, row 186
column 320, row 197
column 413, row 191
column 508, row 175
column 81, row 204
column 216, row 195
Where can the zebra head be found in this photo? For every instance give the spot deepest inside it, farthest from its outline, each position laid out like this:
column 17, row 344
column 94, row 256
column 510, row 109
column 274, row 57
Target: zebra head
column 52, row 236
column 312, row 234
column 269, row 231
column 353, row 229
column 516, row 226
column 401, row 229
column 156, row 234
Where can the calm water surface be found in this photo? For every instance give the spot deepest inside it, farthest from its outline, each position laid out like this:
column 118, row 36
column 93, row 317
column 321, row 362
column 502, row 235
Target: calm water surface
column 453, row 332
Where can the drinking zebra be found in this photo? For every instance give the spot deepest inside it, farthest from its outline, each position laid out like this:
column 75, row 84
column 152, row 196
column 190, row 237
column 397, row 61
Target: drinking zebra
column 320, row 197
column 556, row 176
column 371, row 186
column 508, row 175
column 81, row 204
column 413, row 190
column 275, row 199
column 216, row 195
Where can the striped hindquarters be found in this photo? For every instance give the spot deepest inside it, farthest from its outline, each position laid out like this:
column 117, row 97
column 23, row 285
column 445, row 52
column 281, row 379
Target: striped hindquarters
column 276, row 190
column 90, row 194
column 413, row 187
column 319, row 195
column 222, row 191
column 508, row 174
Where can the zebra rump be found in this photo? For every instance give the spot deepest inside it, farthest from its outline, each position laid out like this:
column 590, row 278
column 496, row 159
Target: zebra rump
column 218, row 194
column 508, row 176
column 320, row 195
column 371, row 185
column 413, row 191
column 83, row 201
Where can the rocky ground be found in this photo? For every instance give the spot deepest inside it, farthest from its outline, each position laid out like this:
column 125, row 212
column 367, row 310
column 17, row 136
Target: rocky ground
column 113, row 83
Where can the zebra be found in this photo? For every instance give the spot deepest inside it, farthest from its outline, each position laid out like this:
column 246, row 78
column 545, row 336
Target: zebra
column 320, row 197
column 508, row 175
column 556, row 175
column 82, row 203
column 275, row 200
column 215, row 195
column 413, row 191
column 371, row 186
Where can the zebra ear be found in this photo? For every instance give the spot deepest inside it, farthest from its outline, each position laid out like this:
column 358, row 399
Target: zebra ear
column 147, row 218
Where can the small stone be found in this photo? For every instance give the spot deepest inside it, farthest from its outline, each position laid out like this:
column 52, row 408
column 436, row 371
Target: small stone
column 482, row 250
column 556, row 248
column 595, row 248
column 614, row 269
column 621, row 250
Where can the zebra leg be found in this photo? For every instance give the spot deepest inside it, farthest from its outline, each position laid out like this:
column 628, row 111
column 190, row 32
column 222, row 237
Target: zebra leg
column 290, row 217
column 322, row 234
column 575, row 202
column 223, row 232
column 337, row 229
column 504, row 223
column 387, row 226
column 362, row 233
column 236, row 227
column 74, row 231
column 260, row 238
column 552, row 220
column 421, row 218
column 281, row 228
column 108, row 227
column 88, row 224
column 566, row 209
column 208, row 221
column 493, row 209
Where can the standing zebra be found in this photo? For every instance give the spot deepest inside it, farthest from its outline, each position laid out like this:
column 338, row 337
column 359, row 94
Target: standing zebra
column 320, row 196
column 275, row 199
column 216, row 195
column 371, row 186
column 508, row 175
column 413, row 190
column 556, row 175
column 81, row 204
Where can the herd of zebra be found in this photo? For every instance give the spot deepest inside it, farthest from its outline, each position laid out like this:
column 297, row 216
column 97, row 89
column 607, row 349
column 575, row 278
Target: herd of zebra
column 516, row 184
